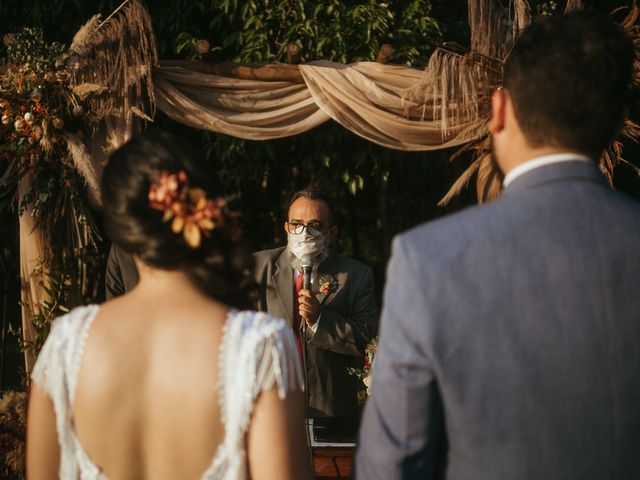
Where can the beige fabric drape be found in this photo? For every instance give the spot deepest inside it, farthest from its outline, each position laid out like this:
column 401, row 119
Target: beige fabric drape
column 32, row 292
column 366, row 98
column 251, row 109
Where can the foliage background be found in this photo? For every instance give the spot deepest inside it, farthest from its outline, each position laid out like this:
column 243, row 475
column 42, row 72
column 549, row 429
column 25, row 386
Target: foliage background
column 379, row 192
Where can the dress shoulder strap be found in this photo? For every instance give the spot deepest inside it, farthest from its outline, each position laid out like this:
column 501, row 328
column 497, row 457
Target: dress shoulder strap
column 56, row 372
column 59, row 359
column 257, row 353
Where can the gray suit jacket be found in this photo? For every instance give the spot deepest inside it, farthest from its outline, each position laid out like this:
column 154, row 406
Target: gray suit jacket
column 349, row 320
column 510, row 339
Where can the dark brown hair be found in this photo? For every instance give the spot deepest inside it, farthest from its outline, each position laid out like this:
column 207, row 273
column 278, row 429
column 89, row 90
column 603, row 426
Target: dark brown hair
column 220, row 267
column 315, row 193
column 569, row 77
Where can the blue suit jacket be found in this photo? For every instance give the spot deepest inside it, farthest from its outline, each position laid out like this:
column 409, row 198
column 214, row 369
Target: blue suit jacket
column 511, row 339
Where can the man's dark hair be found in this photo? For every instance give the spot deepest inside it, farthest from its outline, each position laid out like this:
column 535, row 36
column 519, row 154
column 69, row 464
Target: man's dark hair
column 315, row 193
column 568, row 77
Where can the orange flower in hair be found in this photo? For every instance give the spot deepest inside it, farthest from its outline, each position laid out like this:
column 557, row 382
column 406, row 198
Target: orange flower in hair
column 190, row 211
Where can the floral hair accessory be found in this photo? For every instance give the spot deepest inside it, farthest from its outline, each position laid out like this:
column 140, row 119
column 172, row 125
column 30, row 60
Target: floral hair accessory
column 190, row 211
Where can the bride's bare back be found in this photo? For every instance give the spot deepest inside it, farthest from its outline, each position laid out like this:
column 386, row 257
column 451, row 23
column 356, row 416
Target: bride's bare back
column 147, row 400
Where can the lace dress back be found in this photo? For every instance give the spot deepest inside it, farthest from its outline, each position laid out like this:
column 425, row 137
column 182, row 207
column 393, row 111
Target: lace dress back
column 257, row 353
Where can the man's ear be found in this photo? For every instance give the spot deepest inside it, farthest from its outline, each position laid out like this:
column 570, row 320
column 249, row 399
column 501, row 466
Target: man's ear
column 498, row 111
column 284, row 225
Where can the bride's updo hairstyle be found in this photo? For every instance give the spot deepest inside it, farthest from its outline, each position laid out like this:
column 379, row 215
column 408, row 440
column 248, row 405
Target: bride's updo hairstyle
column 214, row 259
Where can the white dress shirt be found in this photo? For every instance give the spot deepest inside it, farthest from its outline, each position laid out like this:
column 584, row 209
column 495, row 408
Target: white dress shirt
column 541, row 162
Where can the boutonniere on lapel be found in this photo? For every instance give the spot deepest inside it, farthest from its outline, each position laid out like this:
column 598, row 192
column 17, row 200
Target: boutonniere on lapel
column 328, row 285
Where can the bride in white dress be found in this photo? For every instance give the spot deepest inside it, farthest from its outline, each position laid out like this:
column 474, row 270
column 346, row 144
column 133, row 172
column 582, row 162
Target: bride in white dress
column 173, row 380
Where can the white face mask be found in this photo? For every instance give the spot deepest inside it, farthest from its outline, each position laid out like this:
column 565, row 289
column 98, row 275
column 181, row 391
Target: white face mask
column 302, row 244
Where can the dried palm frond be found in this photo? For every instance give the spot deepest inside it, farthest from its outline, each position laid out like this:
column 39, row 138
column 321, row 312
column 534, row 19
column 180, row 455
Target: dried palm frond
column 84, row 90
column 449, row 87
column 84, row 164
column 573, row 6
column 461, row 183
column 492, row 29
column 118, row 54
column 522, row 15
column 632, row 27
column 474, row 131
column 82, row 43
column 488, row 23
column 457, row 84
column 46, row 141
column 136, row 111
column 613, row 155
column 479, row 149
column 488, row 181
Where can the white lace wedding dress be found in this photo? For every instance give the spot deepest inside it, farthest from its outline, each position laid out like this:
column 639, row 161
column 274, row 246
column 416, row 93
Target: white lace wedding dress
column 257, row 352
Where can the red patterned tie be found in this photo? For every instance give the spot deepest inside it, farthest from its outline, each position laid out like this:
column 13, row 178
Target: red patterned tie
column 297, row 319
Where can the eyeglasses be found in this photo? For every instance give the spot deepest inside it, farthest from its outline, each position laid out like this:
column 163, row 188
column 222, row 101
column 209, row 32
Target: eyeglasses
column 314, row 228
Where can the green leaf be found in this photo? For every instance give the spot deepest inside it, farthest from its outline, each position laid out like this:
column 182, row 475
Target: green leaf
column 353, row 186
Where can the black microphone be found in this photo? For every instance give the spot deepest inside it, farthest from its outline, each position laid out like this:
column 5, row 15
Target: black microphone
column 306, row 262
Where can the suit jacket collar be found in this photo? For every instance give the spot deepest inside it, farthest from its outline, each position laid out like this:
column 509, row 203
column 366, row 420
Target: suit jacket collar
column 542, row 161
column 557, row 172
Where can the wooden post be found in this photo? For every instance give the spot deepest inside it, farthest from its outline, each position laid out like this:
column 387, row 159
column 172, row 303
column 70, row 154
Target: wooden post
column 268, row 73
column 293, row 53
column 385, row 54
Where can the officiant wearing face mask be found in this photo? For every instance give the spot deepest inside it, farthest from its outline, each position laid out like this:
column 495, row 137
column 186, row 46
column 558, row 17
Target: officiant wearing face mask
column 335, row 318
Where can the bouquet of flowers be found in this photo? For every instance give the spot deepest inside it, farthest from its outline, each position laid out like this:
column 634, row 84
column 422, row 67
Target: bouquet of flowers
column 364, row 374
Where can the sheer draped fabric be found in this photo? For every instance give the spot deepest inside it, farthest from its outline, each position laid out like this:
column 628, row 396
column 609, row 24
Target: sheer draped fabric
column 257, row 353
column 367, row 98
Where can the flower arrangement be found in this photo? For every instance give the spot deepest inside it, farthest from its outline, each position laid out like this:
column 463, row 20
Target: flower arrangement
column 52, row 102
column 41, row 117
column 364, row 374
column 39, row 110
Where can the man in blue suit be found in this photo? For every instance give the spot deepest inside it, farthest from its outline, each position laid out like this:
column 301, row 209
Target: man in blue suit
column 510, row 333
